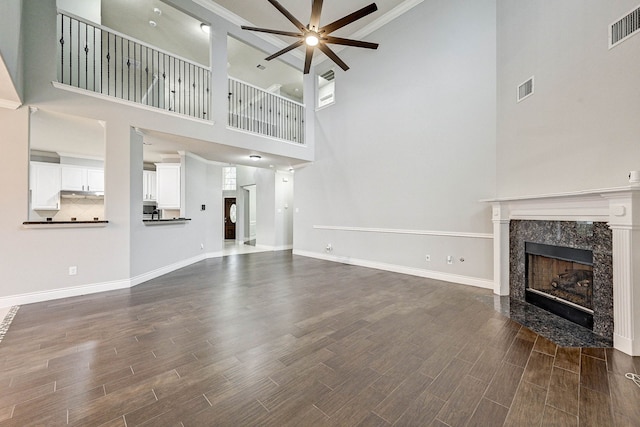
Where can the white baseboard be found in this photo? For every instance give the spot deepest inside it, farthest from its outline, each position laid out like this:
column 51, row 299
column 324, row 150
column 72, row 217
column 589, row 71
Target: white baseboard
column 144, row 277
column 626, row 345
column 93, row 288
column 72, row 291
column 274, row 248
column 437, row 275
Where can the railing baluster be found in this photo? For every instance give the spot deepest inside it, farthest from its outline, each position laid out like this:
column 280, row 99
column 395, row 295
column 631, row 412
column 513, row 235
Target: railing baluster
column 153, row 77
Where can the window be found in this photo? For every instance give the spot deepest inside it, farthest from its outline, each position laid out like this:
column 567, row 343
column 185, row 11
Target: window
column 229, row 178
column 326, row 88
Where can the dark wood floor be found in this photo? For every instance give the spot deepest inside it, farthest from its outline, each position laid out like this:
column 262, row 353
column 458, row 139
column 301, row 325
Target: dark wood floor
column 271, row 339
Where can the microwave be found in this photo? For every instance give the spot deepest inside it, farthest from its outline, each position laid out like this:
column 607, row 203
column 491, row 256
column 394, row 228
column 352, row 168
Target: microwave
column 147, row 211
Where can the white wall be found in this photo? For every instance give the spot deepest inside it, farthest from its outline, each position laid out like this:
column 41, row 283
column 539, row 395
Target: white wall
column 10, row 57
column 274, row 222
column 580, row 129
column 409, row 145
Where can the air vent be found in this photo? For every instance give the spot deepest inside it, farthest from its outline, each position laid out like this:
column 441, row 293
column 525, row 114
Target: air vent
column 525, row 90
column 328, row 76
column 624, row 28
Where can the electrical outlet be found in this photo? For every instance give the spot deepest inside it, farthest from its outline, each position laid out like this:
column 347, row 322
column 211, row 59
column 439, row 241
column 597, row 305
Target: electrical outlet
column 427, row 257
column 201, row 245
column 73, row 270
column 329, row 248
column 450, row 259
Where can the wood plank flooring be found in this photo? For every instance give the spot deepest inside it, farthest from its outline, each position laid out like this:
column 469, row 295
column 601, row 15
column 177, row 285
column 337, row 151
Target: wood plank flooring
column 271, row 339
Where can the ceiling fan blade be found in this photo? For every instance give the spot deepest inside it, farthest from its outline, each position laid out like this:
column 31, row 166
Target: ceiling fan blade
column 289, row 16
column 325, row 49
column 329, row 28
column 307, row 59
column 349, row 42
column 285, row 50
column 265, row 30
column 316, row 9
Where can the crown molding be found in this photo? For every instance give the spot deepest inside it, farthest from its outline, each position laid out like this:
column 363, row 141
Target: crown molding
column 397, row 11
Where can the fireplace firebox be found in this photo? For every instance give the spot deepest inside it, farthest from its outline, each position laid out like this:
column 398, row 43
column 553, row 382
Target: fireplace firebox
column 560, row 280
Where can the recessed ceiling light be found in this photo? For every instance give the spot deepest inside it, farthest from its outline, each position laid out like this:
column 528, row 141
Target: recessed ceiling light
column 255, row 157
column 153, row 24
column 260, row 67
column 206, row 28
column 157, row 11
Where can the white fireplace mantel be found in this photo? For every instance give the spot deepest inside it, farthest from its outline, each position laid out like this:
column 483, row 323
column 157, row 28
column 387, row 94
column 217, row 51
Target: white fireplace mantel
column 620, row 208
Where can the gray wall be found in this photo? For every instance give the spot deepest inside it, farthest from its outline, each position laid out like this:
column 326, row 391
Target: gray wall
column 11, row 42
column 579, row 130
column 35, row 261
column 409, row 145
column 274, row 223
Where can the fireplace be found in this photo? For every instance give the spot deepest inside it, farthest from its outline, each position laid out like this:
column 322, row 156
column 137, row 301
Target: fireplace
column 559, row 279
column 603, row 221
column 564, row 267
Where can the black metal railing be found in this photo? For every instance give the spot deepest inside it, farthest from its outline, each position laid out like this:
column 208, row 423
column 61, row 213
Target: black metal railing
column 98, row 59
column 255, row 110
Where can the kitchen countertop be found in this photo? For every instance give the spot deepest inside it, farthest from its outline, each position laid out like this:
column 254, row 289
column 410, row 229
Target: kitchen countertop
column 165, row 221
column 64, row 224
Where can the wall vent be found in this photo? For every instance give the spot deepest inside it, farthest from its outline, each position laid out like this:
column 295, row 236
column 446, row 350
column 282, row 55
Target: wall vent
column 525, row 90
column 624, row 28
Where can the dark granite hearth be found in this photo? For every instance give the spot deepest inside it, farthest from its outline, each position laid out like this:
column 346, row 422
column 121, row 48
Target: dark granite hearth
column 562, row 332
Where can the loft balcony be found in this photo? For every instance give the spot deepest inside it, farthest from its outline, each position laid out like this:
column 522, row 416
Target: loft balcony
column 98, row 59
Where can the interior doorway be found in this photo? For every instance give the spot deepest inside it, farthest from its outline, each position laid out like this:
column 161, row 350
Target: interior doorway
column 230, row 218
column 250, row 215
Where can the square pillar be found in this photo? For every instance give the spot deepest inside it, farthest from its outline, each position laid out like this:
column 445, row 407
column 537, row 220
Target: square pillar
column 624, row 221
column 501, row 221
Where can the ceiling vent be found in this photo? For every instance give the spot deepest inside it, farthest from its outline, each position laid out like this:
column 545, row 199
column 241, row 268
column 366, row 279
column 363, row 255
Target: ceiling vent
column 624, row 28
column 525, row 90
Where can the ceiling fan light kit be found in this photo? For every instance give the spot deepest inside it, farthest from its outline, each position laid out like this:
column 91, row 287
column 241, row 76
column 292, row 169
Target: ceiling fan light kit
column 313, row 35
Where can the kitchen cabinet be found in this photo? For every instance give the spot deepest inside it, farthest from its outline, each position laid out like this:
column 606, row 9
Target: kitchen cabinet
column 44, row 185
column 149, row 186
column 168, row 185
column 79, row 178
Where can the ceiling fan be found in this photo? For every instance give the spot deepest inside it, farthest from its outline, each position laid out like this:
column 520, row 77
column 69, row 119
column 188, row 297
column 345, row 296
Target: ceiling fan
column 313, row 35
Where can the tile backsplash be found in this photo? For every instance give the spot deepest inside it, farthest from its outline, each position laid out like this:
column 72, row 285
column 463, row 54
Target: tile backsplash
column 81, row 209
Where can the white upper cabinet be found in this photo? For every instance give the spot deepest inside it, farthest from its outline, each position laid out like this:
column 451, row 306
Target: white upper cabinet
column 149, row 186
column 80, row 178
column 95, row 180
column 45, row 186
column 168, row 185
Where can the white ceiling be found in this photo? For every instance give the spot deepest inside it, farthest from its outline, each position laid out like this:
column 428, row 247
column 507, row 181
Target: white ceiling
column 160, row 146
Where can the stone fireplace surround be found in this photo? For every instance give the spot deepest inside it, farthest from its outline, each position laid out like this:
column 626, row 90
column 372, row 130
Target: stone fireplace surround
column 593, row 236
column 619, row 208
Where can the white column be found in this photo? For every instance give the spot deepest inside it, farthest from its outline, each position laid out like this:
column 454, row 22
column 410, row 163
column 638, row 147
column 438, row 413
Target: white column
column 500, row 249
column 624, row 220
